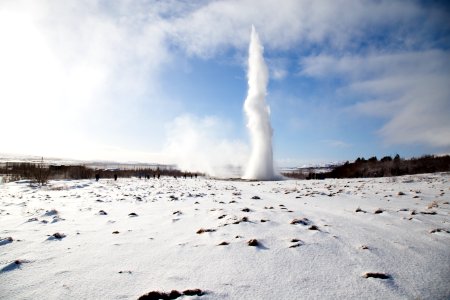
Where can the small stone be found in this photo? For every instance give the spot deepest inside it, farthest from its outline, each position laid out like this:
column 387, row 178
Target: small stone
column 376, row 275
column 174, row 294
column 201, row 230
column 313, row 227
column 253, row 242
column 303, row 221
column 58, row 235
column 428, row 212
column 193, row 292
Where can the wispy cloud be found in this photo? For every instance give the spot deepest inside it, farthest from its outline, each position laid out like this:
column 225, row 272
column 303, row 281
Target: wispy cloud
column 336, row 143
column 410, row 89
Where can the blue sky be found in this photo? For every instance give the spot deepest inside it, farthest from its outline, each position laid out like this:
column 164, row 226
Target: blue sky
column 165, row 81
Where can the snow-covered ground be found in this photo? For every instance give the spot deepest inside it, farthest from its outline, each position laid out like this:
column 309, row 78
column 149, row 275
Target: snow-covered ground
column 395, row 226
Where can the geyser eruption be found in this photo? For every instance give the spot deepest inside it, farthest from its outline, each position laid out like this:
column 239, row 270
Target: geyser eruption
column 260, row 165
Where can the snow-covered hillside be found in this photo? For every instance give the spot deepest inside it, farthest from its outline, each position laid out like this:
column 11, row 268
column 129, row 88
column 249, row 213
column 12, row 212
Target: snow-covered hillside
column 328, row 239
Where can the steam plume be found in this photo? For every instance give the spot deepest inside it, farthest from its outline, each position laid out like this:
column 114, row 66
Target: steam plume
column 260, row 165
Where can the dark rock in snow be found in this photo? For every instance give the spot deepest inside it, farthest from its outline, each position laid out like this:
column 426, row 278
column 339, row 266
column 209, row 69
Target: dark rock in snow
column 439, row 230
column 7, row 240
column 194, row 292
column 360, row 210
column 174, row 294
column 428, row 212
column 202, row 230
column 253, row 242
column 303, row 221
column 376, row 275
column 57, row 235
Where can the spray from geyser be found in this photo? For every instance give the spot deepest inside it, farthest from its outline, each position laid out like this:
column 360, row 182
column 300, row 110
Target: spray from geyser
column 260, row 165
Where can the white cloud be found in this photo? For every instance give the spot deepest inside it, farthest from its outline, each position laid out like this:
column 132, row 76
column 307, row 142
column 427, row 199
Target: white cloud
column 278, row 68
column 336, row 143
column 410, row 89
column 70, row 70
column 219, row 25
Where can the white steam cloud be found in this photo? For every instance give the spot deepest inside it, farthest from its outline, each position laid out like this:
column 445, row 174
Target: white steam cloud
column 260, row 164
column 202, row 144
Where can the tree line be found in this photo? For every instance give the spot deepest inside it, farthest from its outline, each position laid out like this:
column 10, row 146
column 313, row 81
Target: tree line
column 41, row 172
column 386, row 166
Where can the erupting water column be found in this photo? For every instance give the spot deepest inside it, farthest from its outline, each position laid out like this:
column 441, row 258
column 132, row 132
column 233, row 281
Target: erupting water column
column 260, row 165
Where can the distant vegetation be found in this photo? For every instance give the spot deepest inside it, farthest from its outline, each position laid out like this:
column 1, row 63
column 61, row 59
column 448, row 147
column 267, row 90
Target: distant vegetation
column 372, row 167
column 41, row 172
